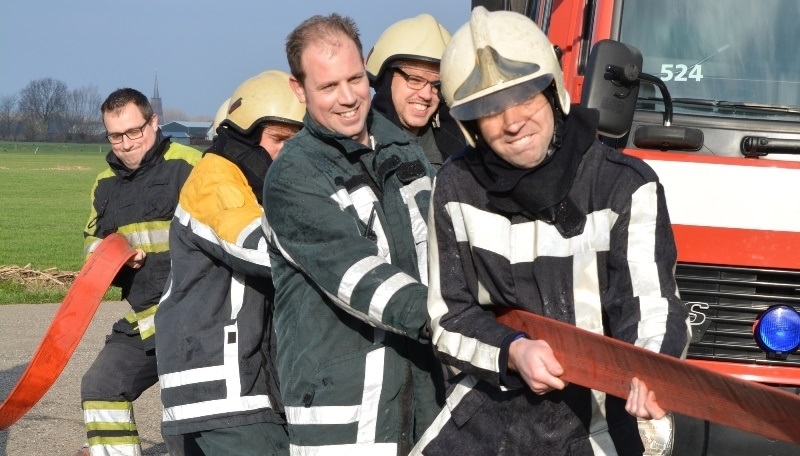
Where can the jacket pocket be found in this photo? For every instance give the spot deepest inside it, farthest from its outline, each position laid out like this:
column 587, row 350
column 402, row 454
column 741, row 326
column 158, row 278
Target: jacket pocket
column 464, row 400
column 341, row 380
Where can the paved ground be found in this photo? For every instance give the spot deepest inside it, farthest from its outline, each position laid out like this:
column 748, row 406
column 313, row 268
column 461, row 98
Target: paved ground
column 55, row 425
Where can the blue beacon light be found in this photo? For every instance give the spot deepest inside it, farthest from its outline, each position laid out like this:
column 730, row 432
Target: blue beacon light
column 777, row 330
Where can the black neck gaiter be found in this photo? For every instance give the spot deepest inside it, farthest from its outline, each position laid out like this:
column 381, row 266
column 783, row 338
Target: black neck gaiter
column 244, row 152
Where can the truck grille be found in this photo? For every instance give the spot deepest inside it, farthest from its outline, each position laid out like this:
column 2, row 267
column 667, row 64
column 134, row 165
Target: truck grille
column 725, row 301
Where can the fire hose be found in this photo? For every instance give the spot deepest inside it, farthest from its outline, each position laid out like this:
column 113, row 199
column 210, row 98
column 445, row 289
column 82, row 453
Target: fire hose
column 67, row 328
column 679, row 386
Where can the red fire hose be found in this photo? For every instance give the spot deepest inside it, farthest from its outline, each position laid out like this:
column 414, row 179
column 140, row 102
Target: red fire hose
column 68, row 326
column 679, row 386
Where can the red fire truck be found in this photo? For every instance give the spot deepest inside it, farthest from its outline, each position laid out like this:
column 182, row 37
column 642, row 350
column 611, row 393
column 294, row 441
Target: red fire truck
column 720, row 125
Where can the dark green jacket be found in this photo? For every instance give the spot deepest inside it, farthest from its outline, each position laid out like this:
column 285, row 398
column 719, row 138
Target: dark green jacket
column 347, row 228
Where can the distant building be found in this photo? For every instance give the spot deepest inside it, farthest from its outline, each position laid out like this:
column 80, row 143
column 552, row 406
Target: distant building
column 186, row 132
column 155, row 102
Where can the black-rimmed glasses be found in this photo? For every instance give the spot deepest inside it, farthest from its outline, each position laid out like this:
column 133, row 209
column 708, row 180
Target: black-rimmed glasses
column 133, row 133
column 418, row 83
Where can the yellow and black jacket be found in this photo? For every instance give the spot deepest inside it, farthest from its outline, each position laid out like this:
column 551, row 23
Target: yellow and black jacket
column 139, row 204
column 215, row 360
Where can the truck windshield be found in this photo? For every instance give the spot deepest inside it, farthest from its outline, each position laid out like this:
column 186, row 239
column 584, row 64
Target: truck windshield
column 742, row 52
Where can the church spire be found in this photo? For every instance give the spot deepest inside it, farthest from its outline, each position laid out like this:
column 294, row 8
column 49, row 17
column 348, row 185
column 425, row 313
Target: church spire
column 155, row 102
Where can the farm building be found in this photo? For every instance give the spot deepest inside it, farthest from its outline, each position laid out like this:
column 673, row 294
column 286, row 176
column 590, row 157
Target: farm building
column 185, row 132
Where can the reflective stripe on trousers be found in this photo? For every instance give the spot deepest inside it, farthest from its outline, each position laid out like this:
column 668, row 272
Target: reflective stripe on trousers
column 111, row 428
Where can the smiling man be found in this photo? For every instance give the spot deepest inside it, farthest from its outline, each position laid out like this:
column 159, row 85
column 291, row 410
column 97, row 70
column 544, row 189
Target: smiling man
column 537, row 214
column 136, row 197
column 403, row 68
column 346, row 206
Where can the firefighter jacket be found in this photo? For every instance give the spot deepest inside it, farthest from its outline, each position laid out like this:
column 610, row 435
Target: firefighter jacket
column 601, row 258
column 215, row 345
column 139, row 204
column 347, row 227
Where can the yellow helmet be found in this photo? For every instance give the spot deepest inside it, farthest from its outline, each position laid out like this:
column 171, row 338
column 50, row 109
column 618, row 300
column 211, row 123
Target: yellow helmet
column 266, row 96
column 417, row 38
column 497, row 60
column 222, row 112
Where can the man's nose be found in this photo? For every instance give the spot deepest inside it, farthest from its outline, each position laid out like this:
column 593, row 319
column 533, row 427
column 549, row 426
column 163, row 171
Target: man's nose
column 127, row 143
column 347, row 95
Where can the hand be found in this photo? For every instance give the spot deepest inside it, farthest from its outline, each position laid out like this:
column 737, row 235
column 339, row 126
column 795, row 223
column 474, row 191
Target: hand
column 137, row 260
column 642, row 402
column 535, row 362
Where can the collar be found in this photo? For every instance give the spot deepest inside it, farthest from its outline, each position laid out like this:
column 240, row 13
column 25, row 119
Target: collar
column 151, row 157
column 539, row 190
column 381, row 131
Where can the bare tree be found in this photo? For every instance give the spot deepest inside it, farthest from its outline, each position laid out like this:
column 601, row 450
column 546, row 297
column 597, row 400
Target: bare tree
column 8, row 115
column 172, row 115
column 81, row 118
column 41, row 102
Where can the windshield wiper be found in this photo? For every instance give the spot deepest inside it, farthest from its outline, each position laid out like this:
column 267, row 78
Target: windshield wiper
column 784, row 109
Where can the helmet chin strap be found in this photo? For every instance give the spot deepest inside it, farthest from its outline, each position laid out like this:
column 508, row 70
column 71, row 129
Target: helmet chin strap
column 558, row 121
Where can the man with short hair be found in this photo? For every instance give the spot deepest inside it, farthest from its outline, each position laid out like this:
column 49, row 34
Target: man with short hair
column 403, row 68
column 346, row 213
column 136, row 197
column 216, row 364
column 537, row 214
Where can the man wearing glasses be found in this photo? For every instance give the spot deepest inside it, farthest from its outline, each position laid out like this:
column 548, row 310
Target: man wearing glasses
column 403, row 68
column 136, row 197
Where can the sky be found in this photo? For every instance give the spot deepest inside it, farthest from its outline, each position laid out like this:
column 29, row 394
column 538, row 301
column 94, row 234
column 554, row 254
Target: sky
column 201, row 50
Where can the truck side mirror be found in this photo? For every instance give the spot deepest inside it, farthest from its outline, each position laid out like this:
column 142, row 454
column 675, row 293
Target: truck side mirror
column 613, row 97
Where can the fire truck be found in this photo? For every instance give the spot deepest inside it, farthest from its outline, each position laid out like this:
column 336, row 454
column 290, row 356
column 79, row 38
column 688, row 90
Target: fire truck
column 710, row 91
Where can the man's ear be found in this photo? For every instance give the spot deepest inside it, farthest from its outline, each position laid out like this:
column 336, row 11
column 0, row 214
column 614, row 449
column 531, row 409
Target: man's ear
column 297, row 88
column 155, row 118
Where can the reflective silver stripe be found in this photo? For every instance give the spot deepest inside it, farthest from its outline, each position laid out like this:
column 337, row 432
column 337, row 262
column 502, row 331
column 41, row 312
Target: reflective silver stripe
column 218, row 406
column 147, row 324
column 229, row 372
column 147, row 237
column 363, row 201
column 342, row 198
column 588, row 315
column 524, row 242
column 236, row 293
column 419, row 228
column 600, row 439
column 354, row 275
column 259, row 257
column 461, row 390
column 365, row 414
column 457, row 345
column 586, row 292
column 383, row 294
column 188, row 377
column 91, row 247
column 108, row 416
column 168, row 290
column 353, row 449
column 122, row 449
column 371, row 396
column 643, row 268
column 230, row 354
column 468, row 349
column 331, row 414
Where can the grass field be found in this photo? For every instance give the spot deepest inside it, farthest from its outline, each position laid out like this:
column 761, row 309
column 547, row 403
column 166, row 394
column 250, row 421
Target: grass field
column 44, row 204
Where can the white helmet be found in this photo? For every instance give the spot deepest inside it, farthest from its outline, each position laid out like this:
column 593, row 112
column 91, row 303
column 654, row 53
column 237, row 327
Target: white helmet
column 222, row 112
column 418, row 38
column 266, row 96
column 497, row 60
